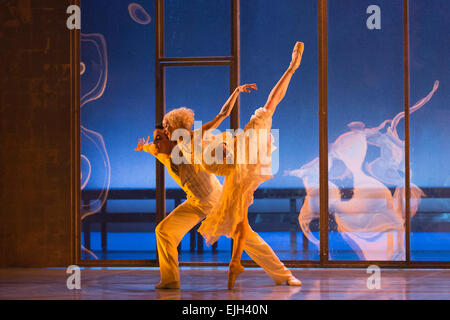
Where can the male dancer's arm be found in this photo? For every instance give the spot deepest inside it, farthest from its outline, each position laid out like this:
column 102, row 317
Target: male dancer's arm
column 147, row 147
column 150, row 148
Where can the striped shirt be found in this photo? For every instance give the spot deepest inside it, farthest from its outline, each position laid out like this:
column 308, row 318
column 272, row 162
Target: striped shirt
column 198, row 184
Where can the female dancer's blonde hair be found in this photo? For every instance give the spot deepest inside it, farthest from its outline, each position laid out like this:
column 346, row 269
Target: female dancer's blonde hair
column 180, row 118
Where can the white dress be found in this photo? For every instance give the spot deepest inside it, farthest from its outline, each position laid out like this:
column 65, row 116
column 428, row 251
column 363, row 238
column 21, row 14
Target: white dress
column 241, row 178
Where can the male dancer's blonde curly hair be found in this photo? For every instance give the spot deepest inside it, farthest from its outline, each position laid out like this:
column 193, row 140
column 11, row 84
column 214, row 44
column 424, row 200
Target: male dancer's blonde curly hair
column 180, row 118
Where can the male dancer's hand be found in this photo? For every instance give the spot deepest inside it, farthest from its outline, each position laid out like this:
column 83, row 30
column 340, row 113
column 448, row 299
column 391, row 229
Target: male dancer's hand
column 141, row 143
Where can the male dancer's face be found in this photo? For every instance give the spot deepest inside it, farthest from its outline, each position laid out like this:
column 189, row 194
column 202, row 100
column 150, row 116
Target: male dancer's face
column 162, row 142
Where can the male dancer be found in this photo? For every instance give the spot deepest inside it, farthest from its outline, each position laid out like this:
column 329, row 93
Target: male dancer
column 203, row 191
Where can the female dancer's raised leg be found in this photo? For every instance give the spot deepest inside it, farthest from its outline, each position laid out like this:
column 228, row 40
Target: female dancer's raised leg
column 242, row 229
column 279, row 91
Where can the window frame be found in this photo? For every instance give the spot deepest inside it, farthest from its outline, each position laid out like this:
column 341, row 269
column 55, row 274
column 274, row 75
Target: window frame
column 233, row 61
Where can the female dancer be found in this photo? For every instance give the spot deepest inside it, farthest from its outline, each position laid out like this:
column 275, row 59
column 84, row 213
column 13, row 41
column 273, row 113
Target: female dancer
column 230, row 215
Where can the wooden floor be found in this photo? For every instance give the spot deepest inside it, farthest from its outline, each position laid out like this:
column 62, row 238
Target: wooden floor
column 210, row 284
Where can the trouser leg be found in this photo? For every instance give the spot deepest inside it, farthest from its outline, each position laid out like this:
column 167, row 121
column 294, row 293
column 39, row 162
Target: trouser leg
column 169, row 234
column 266, row 258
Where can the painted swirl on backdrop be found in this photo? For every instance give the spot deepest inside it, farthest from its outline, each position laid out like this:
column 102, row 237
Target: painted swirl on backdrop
column 138, row 14
column 372, row 219
column 94, row 74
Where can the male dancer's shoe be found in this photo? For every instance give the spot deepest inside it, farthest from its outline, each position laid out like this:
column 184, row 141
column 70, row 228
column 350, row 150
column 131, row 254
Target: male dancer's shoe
column 169, row 285
column 293, row 281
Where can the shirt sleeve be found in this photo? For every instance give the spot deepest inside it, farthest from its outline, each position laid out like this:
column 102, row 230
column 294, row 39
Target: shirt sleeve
column 150, row 148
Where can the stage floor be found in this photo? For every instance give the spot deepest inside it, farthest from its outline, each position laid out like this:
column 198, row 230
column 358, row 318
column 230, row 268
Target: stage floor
column 210, row 284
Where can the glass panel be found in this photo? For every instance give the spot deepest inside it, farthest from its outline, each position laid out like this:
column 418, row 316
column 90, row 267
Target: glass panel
column 268, row 35
column 201, row 28
column 204, row 89
column 117, row 98
column 366, row 131
column 430, row 130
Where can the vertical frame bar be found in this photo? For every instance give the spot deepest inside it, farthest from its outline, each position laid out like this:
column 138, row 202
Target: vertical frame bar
column 104, row 228
column 323, row 129
column 293, row 224
column 236, row 64
column 159, row 104
column 75, row 183
column 407, row 131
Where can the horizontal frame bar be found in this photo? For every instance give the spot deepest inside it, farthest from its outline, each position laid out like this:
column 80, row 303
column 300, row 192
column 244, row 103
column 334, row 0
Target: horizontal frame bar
column 183, row 59
column 196, row 63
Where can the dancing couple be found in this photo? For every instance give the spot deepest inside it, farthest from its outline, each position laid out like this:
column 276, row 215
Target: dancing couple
column 224, row 210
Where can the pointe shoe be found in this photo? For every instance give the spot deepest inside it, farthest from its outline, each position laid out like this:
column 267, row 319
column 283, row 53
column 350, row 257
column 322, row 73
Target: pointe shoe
column 297, row 54
column 233, row 271
column 293, row 281
column 168, row 285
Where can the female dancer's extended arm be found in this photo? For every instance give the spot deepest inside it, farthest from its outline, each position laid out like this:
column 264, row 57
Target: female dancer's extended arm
column 227, row 107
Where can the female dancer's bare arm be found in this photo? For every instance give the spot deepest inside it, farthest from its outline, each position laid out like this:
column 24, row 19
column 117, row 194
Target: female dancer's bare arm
column 227, row 107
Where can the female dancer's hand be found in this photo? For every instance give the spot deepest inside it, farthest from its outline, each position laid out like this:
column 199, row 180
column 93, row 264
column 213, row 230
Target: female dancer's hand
column 141, row 143
column 247, row 87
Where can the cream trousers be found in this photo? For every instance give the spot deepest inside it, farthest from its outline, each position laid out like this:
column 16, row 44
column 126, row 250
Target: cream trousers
column 182, row 219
